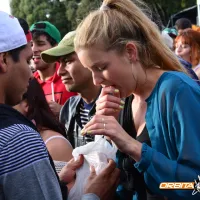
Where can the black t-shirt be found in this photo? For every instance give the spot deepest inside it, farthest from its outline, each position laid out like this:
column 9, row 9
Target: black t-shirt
column 131, row 179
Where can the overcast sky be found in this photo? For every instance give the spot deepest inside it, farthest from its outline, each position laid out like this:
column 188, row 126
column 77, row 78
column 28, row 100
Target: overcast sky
column 4, row 6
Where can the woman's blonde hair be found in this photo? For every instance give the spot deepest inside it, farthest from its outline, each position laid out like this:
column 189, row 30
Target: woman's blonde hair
column 120, row 21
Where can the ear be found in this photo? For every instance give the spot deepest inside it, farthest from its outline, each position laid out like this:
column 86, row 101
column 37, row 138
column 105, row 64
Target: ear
column 131, row 51
column 3, row 62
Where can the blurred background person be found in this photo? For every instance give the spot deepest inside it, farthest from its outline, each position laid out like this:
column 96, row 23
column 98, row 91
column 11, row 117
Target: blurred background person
column 25, row 27
column 35, row 107
column 182, row 24
column 169, row 35
column 45, row 36
column 187, row 47
column 78, row 110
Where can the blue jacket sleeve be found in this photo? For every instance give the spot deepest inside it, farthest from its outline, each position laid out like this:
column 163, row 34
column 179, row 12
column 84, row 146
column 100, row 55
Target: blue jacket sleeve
column 184, row 124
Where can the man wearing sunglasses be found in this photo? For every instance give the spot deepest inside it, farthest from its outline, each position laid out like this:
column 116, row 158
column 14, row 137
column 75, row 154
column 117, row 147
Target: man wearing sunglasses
column 45, row 36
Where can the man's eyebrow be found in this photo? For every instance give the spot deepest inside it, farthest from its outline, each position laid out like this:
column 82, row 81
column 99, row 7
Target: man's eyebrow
column 39, row 41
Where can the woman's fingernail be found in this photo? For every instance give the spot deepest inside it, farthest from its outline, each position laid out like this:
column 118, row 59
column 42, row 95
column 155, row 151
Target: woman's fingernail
column 122, row 102
column 121, row 107
column 89, row 132
column 116, row 90
column 82, row 132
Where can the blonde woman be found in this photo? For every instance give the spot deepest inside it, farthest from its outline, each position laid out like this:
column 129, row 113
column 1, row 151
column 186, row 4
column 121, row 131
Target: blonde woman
column 126, row 55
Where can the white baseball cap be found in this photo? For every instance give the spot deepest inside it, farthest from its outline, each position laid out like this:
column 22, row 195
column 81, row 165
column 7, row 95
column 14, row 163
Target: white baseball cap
column 12, row 35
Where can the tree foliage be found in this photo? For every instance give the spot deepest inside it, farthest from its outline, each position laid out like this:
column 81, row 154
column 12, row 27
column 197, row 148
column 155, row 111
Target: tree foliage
column 41, row 10
column 166, row 8
column 66, row 14
column 86, row 6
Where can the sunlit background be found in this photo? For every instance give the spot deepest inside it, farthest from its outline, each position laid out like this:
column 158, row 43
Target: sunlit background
column 5, row 6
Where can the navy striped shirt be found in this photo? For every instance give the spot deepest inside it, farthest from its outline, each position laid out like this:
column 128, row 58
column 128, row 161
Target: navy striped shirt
column 20, row 146
column 84, row 115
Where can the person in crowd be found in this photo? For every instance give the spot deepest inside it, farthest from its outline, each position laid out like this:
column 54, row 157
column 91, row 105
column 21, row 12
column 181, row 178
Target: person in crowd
column 169, row 35
column 18, row 135
column 195, row 35
column 172, row 32
column 45, row 36
column 25, row 27
column 35, row 107
column 187, row 47
column 24, row 160
column 169, row 40
column 78, row 110
column 27, row 32
column 121, row 46
column 197, row 70
column 182, row 24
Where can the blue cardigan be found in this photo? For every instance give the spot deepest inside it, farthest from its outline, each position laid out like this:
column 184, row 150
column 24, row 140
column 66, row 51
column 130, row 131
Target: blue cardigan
column 172, row 120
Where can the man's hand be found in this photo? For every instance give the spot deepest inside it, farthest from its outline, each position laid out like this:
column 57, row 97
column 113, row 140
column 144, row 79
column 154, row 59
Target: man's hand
column 55, row 107
column 103, row 185
column 68, row 172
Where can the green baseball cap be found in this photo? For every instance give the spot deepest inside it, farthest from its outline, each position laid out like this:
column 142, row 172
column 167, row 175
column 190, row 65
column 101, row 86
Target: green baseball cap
column 48, row 28
column 65, row 47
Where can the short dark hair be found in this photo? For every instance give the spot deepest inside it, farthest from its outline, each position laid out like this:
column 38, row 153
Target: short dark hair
column 183, row 23
column 14, row 53
column 37, row 34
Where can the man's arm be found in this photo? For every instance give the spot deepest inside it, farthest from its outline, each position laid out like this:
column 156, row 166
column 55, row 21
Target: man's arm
column 37, row 181
column 26, row 172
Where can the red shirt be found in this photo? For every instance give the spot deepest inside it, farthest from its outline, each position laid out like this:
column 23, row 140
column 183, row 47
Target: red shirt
column 54, row 89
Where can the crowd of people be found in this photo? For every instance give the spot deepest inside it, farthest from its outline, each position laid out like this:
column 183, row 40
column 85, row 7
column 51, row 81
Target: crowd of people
column 116, row 76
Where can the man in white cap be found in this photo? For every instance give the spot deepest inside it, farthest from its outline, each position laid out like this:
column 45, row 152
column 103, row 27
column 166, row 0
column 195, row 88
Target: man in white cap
column 25, row 169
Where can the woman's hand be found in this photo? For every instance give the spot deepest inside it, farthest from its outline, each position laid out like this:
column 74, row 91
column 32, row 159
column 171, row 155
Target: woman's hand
column 108, row 126
column 109, row 102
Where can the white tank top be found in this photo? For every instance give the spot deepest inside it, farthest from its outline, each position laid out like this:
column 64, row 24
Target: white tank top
column 57, row 136
column 58, row 164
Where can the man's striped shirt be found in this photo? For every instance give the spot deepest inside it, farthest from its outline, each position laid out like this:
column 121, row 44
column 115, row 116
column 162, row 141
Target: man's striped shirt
column 84, row 112
column 20, row 146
